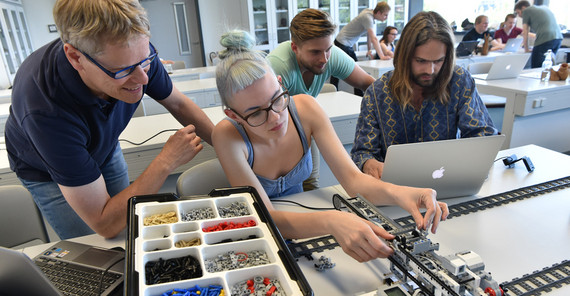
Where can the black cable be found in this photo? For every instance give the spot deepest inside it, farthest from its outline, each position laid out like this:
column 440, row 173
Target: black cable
column 163, row 131
column 301, row 205
column 500, row 158
column 100, row 289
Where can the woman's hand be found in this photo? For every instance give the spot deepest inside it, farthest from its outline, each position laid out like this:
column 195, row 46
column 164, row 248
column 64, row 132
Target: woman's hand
column 359, row 238
column 413, row 199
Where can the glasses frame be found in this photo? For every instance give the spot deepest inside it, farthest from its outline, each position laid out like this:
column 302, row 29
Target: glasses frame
column 128, row 70
column 284, row 93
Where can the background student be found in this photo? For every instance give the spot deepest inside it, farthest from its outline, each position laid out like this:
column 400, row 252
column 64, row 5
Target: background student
column 265, row 143
column 425, row 98
column 387, row 41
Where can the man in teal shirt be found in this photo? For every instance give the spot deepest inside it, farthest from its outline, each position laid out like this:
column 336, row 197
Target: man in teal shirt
column 308, row 61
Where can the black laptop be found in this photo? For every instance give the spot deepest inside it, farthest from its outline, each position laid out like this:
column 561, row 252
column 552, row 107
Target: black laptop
column 66, row 268
column 466, row 48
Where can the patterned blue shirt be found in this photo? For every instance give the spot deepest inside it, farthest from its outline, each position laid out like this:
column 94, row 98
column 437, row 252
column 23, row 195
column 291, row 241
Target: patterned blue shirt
column 384, row 122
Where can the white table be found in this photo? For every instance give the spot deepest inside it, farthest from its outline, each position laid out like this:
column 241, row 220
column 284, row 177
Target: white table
column 512, row 239
column 535, row 112
column 341, row 107
column 193, row 73
column 203, row 92
column 376, row 68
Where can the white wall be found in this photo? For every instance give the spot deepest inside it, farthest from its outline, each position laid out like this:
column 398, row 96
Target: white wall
column 39, row 15
column 217, row 17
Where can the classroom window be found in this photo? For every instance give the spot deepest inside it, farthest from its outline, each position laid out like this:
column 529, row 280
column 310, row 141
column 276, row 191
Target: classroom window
column 457, row 11
column 182, row 28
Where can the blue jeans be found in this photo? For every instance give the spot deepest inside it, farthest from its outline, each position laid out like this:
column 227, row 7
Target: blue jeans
column 55, row 209
column 538, row 52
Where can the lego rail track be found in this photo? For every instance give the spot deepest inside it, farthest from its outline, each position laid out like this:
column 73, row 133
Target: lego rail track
column 319, row 244
column 530, row 284
column 539, row 281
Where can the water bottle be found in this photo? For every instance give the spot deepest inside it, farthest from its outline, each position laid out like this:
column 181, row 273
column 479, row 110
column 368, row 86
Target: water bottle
column 546, row 66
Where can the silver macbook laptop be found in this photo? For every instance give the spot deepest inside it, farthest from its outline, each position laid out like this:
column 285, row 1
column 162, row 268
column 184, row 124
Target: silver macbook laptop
column 66, row 268
column 453, row 168
column 513, row 45
column 505, row 66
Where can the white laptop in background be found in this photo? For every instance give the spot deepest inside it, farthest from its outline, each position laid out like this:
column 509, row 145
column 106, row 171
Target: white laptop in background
column 454, row 168
column 513, row 45
column 505, row 66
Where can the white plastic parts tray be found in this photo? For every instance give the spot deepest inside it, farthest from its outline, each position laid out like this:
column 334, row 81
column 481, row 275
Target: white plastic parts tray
column 226, row 258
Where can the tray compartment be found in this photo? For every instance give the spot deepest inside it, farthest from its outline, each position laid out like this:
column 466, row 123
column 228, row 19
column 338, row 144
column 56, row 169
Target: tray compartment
column 238, row 255
column 194, row 210
column 242, row 234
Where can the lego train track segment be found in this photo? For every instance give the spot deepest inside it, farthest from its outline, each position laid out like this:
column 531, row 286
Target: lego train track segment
column 307, row 247
column 496, row 200
column 366, row 210
column 539, row 281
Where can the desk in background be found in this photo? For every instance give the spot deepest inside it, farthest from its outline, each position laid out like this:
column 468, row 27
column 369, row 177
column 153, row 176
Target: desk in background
column 193, row 73
column 376, row 68
column 535, row 112
column 342, row 108
column 512, row 239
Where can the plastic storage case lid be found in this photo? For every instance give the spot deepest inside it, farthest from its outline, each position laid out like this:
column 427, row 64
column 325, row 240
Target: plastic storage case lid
column 132, row 273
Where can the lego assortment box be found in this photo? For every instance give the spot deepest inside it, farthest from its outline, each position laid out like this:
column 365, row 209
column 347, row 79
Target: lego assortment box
column 205, row 244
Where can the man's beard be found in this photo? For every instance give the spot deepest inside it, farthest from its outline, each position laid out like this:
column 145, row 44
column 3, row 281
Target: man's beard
column 425, row 84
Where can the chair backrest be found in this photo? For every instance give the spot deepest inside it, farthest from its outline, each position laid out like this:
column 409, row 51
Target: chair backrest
column 178, row 65
column 202, row 178
column 20, row 220
column 480, row 68
column 328, row 87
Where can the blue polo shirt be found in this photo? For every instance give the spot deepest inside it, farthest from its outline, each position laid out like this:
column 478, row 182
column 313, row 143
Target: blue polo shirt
column 58, row 130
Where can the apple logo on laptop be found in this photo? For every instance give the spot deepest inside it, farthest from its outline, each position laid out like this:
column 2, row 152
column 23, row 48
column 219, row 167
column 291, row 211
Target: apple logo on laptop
column 508, row 67
column 437, row 174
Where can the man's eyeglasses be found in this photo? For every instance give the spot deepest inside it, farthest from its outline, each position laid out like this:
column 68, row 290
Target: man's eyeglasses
column 260, row 116
column 128, row 70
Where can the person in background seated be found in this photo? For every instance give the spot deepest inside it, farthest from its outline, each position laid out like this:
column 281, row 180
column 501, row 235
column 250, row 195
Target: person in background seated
column 71, row 100
column 265, row 140
column 425, row 98
column 542, row 21
column 479, row 32
column 307, row 62
column 508, row 29
column 387, row 41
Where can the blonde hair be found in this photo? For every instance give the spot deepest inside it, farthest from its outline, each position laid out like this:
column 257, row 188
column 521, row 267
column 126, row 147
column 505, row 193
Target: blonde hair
column 423, row 27
column 310, row 24
column 89, row 25
column 240, row 65
column 382, row 7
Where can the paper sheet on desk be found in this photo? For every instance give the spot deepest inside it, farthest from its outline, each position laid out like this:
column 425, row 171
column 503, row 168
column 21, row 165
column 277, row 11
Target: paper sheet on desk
column 535, row 75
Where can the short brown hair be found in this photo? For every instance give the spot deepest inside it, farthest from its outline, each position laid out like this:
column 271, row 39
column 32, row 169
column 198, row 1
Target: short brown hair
column 521, row 3
column 90, row 25
column 510, row 15
column 480, row 18
column 423, row 27
column 382, row 7
column 310, row 24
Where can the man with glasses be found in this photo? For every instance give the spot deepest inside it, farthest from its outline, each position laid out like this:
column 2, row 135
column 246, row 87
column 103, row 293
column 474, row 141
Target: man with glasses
column 71, row 100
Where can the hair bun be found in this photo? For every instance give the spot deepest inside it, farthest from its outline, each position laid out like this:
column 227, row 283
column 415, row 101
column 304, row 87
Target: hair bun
column 236, row 41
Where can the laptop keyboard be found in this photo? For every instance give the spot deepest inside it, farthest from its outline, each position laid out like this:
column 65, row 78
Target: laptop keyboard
column 75, row 279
